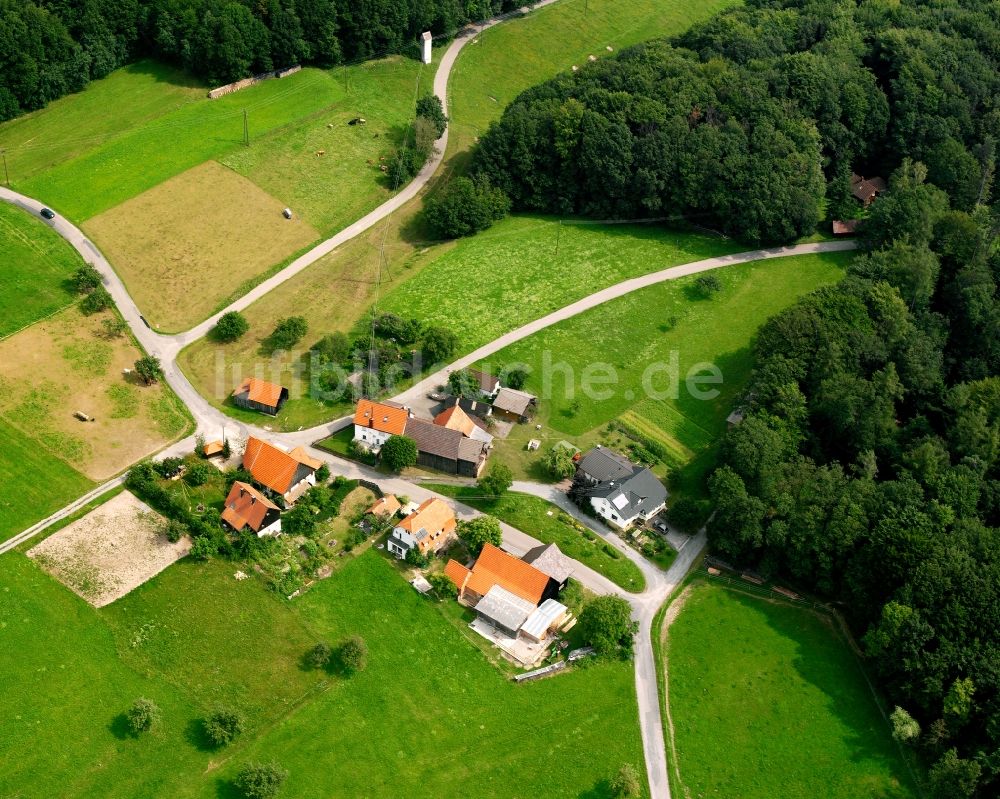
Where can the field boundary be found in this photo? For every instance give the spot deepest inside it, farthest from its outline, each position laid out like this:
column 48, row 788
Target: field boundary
column 56, row 312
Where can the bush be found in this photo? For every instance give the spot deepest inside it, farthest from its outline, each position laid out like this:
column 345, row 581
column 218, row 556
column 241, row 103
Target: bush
column 223, row 725
column 626, row 783
column 515, row 378
column 429, row 107
column 707, row 285
column 465, row 207
column 142, row 716
column 231, row 326
column 260, row 780
column 148, row 368
column 686, row 514
column 323, row 474
column 559, row 463
column 439, row 344
column 353, row 655
column 414, row 557
column 398, row 453
column 461, row 383
column 287, row 333
column 86, row 279
column 497, row 482
column 334, row 348
column 175, row 531
column 96, row 301
column 319, row 656
column 442, row 585
column 478, row 532
column 115, row 327
column 197, row 474
column 606, row 624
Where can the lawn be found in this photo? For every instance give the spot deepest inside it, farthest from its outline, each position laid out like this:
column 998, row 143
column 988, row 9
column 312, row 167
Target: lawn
column 33, row 484
column 35, row 267
column 515, row 56
column 768, row 700
column 209, row 218
column 65, row 364
column 531, row 515
column 194, row 636
column 626, row 350
column 528, row 266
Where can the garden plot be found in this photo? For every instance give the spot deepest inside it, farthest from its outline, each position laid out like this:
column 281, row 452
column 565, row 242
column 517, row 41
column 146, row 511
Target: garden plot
column 113, row 549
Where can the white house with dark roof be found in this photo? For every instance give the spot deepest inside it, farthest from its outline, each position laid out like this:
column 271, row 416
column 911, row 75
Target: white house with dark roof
column 621, row 492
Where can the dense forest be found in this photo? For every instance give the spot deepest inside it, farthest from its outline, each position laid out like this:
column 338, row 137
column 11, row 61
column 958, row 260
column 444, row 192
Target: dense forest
column 49, row 48
column 752, row 122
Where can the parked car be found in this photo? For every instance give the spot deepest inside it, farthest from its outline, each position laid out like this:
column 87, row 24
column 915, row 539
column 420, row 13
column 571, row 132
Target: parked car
column 47, row 213
column 437, row 396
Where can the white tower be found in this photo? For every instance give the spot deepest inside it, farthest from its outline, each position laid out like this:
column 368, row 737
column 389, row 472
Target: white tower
column 427, row 47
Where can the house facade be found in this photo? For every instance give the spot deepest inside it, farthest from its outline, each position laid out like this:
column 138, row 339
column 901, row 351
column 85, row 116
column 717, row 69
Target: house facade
column 428, row 529
column 376, row 422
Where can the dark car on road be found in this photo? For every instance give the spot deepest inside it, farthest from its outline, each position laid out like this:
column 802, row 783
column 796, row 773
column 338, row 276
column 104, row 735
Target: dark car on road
column 48, row 213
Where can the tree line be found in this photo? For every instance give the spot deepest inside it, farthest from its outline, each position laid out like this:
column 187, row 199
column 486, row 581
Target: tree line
column 867, row 467
column 49, row 48
column 752, row 122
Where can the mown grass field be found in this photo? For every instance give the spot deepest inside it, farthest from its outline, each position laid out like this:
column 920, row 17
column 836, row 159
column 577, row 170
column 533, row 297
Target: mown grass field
column 35, row 267
column 528, row 266
column 186, row 245
column 768, row 700
column 519, row 54
column 194, row 636
column 638, row 336
column 530, row 515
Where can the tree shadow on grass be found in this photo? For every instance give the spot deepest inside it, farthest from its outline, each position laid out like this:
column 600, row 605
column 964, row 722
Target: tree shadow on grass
column 119, row 727
column 194, row 734
column 600, row 790
column 226, row 789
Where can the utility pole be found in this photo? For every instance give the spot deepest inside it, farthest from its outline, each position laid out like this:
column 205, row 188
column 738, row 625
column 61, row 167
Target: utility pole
column 6, row 174
column 246, row 130
column 558, row 236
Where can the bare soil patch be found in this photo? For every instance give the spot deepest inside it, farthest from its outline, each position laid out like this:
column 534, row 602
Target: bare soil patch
column 113, row 549
column 65, row 364
column 188, row 244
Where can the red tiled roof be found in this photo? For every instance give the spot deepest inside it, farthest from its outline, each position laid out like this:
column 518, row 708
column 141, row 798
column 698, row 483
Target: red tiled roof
column 381, row 417
column 496, row 567
column 273, row 467
column 454, row 418
column 457, row 573
column 433, row 515
column 261, row 391
column 385, row 506
column 246, row 507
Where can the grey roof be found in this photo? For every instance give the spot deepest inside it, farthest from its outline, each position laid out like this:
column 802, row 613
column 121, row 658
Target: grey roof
column 486, row 381
column 513, row 401
column 543, row 617
column 603, row 464
column 434, row 439
column 642, row 492
column 471, row 450
column 504, row 608
column 551, row 561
